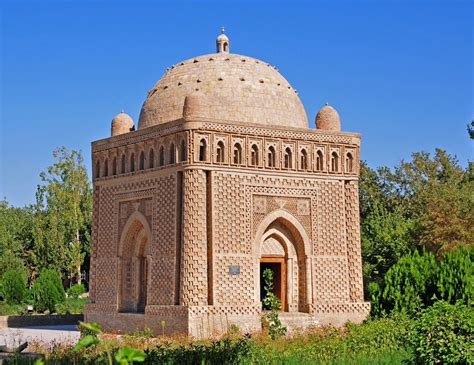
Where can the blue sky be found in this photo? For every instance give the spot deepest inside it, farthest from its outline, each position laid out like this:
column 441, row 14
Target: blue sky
column 399, row 72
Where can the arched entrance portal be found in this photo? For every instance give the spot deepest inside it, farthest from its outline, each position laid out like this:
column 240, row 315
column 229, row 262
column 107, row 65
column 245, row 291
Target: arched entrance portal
column 134, row 264
column 282, row 245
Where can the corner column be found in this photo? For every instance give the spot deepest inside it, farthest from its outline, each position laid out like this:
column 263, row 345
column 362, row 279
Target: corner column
column 194, row 254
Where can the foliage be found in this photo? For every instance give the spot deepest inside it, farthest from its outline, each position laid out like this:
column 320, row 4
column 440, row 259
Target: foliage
column 15, row 238
column 456, row 276
column 90, row 336
column 419, row 280
column 127, row 355
column 48, row 291
column 76, row 290
column 444, row 334
column 223, row 351
column 63, row 215
column 273, row 304
column 411, row 283
column 13, row 286
column 72, row 306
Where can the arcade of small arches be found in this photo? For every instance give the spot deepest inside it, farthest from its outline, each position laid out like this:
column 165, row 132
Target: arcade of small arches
column 308, row 158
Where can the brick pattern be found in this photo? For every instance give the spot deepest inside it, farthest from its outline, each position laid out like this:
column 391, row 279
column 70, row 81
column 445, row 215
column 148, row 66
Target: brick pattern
column 234, row 289
column 331, row 280
column 194, row 260
column 229, row 222
column 330, row 220
column 354, row 257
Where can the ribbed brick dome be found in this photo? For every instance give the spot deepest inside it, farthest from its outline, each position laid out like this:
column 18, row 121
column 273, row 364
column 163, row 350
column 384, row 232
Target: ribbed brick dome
column 236, row 88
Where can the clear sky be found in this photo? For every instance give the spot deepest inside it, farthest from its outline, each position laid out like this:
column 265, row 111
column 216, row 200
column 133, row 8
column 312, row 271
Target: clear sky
column 399, row 72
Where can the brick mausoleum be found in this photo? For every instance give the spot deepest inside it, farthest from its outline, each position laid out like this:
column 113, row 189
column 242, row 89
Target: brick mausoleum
column 224, row 178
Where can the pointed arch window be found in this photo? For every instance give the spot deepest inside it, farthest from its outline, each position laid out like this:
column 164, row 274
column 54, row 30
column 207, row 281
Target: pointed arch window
column 106, row 167
column 334, row 162
column 142, row 161
column 162, row 156
column 237, row 154
column 122, row 167
column 172, row 158
column 183, row 153
column 97, row 169
column 151, row 159
column 114, row 166
column 319, row 161
column 304, row 159
column 132, row 162
column 220, row 152
column 271, row 161
column 202, row 150
column 254, row 155
column 288, row 158
column 349, row 163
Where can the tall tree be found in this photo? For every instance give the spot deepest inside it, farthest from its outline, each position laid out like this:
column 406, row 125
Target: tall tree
column 63, row 214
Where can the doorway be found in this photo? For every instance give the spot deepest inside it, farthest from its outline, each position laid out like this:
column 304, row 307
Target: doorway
column 278, row 266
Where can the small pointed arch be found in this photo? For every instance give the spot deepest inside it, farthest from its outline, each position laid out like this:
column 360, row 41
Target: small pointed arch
column 172, row 154
column 114, row 166
column 288, row 158
column 183, row 155
column 334, row 162
column 132, row 162
column 97, row 169
column 254, row 155
column 304, row 159
column 161, row 156
column 203, row 150
column 123, row 163
column 142, row 161
column 237, row 154
column 220, row 152
column 106, row 167
column 319, row 161
column 349, row 163
column 151, row 158
column 271, row 157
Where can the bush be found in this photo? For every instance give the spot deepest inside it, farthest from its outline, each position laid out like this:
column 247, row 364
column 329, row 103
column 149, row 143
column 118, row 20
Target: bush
column 410, row 284
column 48, row 291
column 76, row 290
column 419, row 280
column 444, row 334
column 13, row 285
column 456, row 276
column 72, row 306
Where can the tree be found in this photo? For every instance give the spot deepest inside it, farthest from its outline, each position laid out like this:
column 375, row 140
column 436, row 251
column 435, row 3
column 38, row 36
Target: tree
column 16, row 240
column 63, row 214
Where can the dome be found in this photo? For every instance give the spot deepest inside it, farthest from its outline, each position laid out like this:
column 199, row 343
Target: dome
column 122, row 123
column 235, row 88
column 328, row 119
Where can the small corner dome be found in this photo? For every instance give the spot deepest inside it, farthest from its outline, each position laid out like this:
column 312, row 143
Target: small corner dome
column 328, row 119
column 122, row 123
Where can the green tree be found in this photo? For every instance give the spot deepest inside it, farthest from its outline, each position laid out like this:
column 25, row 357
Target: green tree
column 16, row 239
column 63, row 214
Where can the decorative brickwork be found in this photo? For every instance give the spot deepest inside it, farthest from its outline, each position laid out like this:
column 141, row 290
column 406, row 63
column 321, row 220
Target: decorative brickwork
column 217, row 184
column 194, row 261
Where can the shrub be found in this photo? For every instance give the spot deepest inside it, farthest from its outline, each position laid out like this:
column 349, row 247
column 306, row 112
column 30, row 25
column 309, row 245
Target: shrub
column 456, row 276
column 76, row 290
column 13, row 286
column 72, row 306
column 48, row 291
column 271, row 302
column 444, row 334
column 410, row 284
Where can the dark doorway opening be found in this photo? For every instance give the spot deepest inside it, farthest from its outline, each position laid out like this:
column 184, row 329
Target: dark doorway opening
column 277, row 265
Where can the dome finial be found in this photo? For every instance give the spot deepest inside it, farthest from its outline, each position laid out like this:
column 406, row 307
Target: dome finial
column 222, row 42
